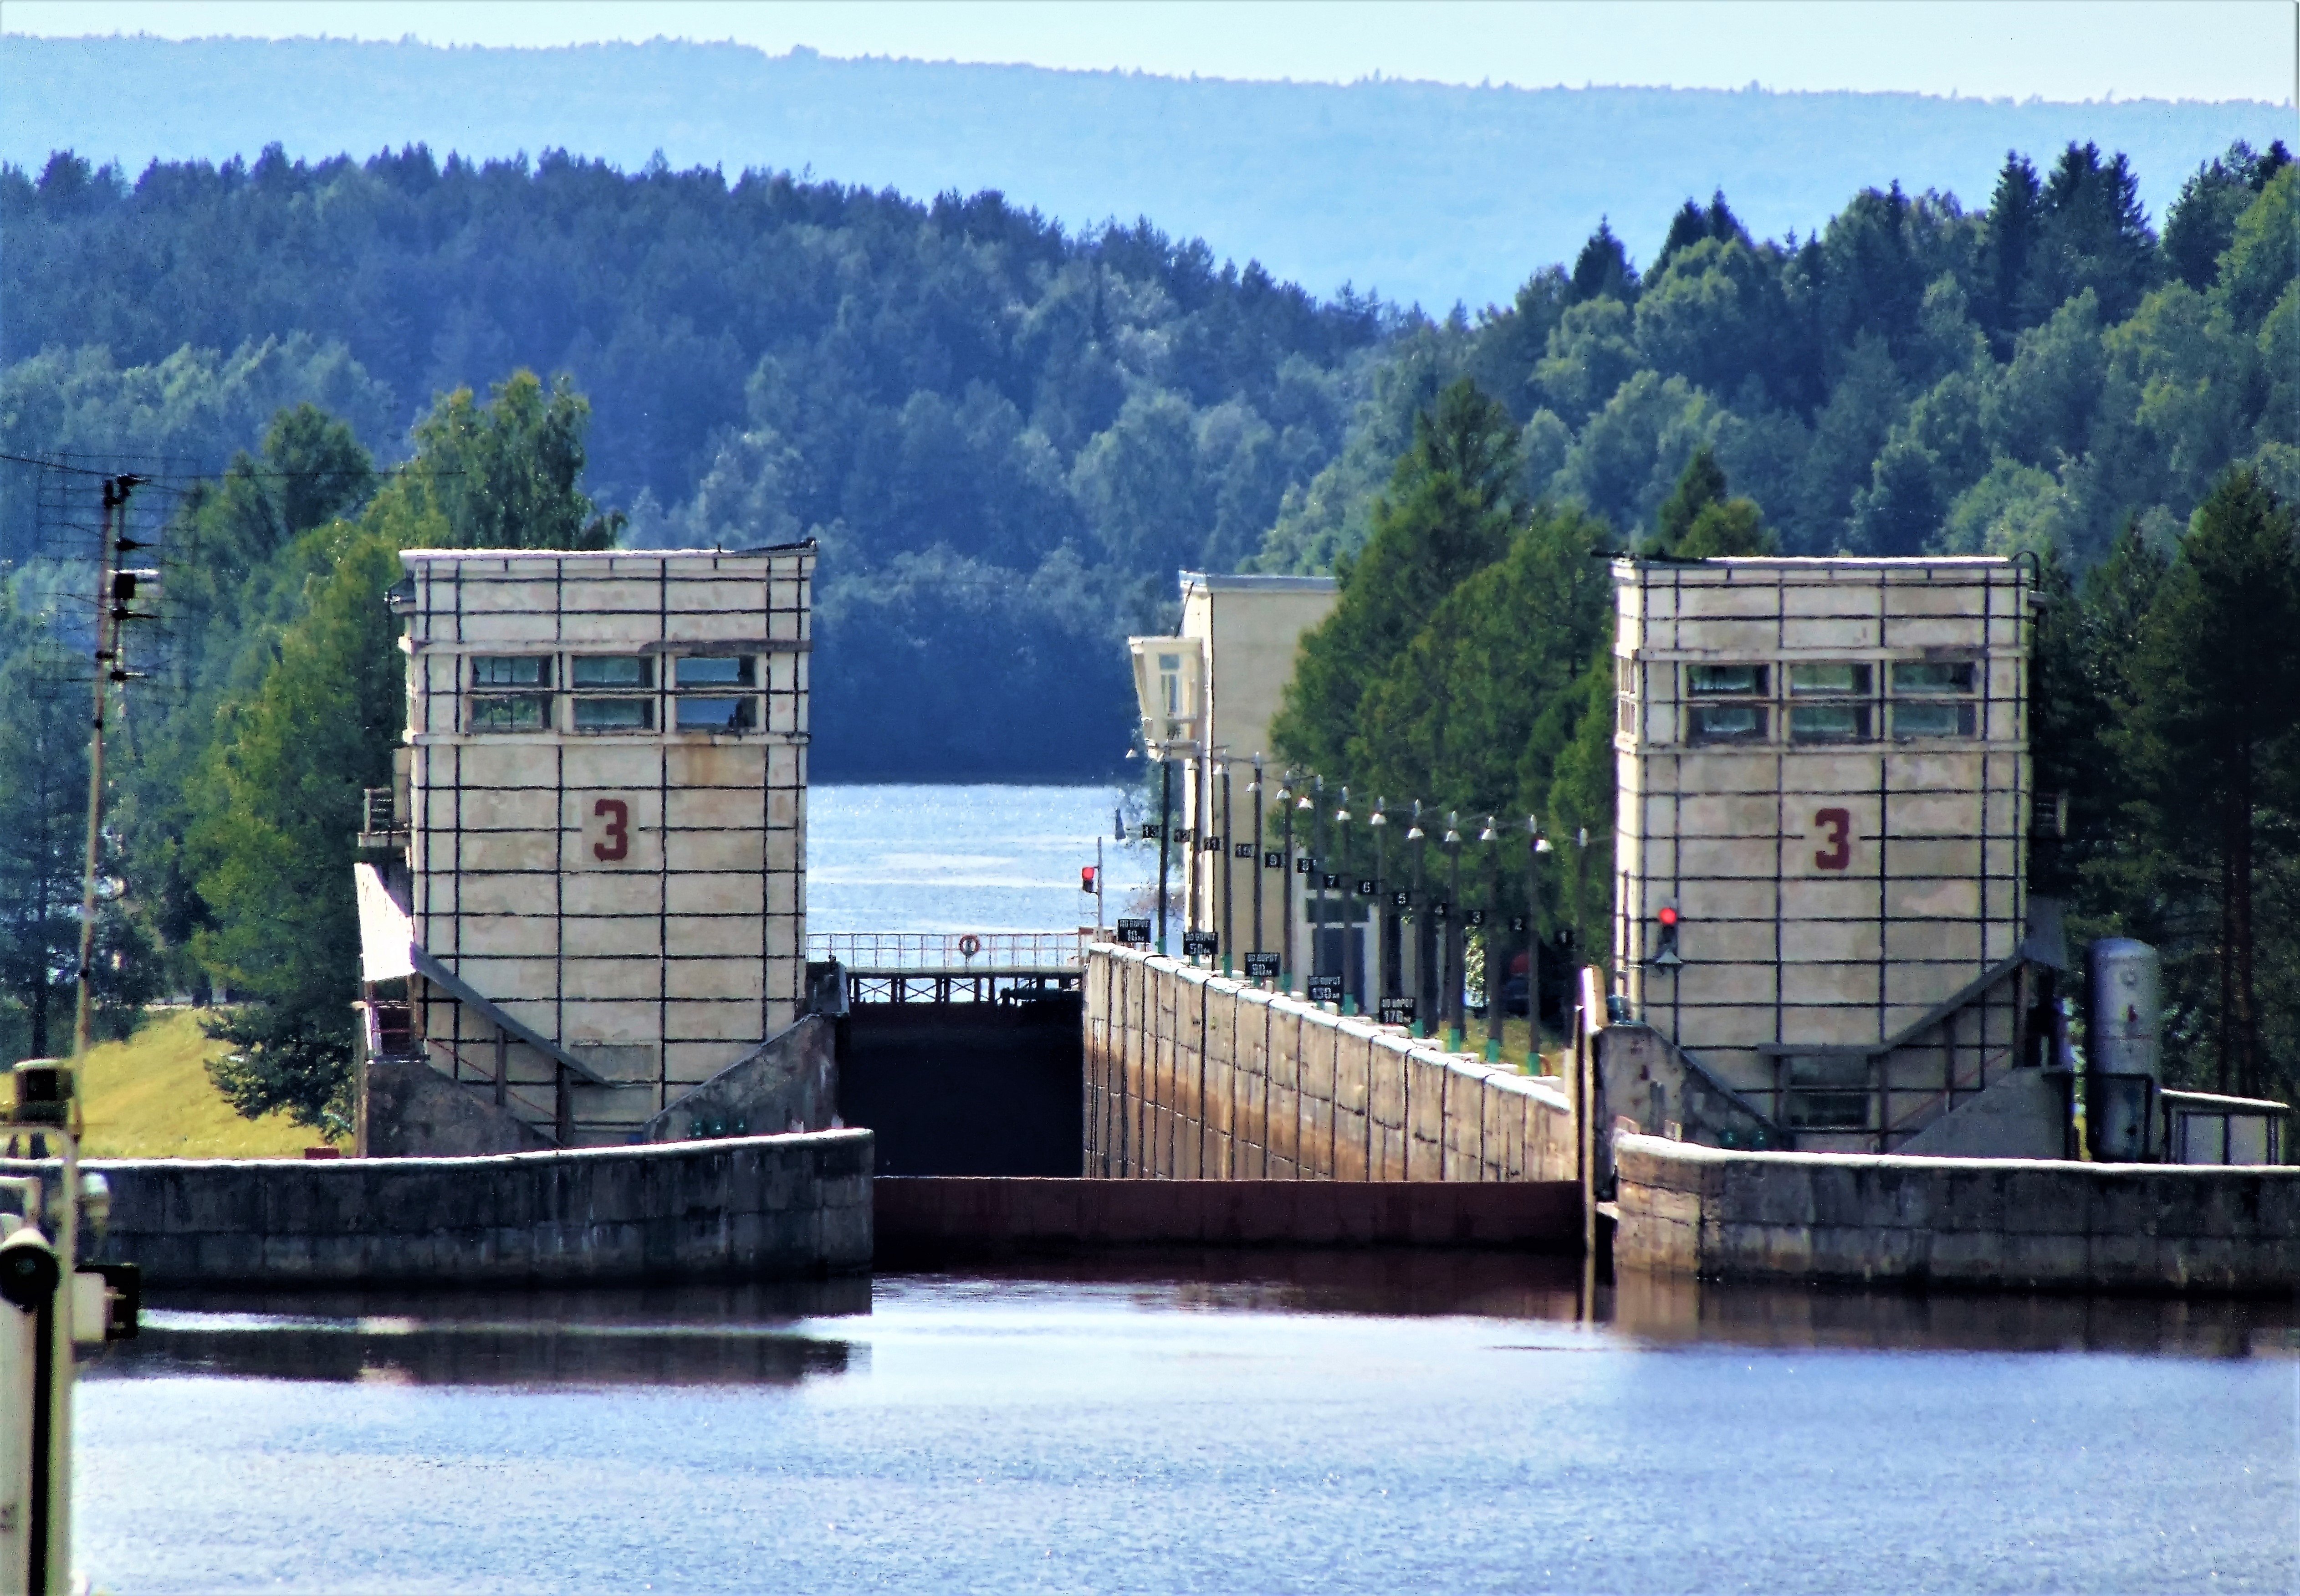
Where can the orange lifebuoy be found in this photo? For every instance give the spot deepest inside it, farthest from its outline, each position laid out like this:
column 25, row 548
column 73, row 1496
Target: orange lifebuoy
column 969, row 944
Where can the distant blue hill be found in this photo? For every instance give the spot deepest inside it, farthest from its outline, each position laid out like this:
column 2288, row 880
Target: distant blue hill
column 1416, row 191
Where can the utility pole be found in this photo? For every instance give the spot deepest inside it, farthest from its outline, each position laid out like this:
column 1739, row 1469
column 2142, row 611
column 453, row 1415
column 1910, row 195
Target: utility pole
column 111, row 609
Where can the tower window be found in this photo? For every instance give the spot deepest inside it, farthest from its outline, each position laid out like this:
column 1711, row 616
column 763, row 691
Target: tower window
column 1931, row 678
column 715, row 670
column 626, row 670
column 520, row 711
column 1949, row 719
column 1724, row 681
column 511, row 670
column 1726, row 723
column 1829, row 680
column 716, row 714
column 1829, row 723
column 615, row 714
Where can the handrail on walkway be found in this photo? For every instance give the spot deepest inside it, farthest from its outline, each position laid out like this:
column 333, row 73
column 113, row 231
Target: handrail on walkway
column 954, row 953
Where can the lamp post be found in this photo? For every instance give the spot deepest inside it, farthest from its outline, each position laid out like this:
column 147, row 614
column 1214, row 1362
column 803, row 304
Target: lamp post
column 1496, row 962
column 1536, row 845
column 1165, row 835
column 1453, row 935
column 1253, row 789
column 1423, row 988
column 1351, row 984
column 1221, row 860
column 1376, row 911
column 1286, row 966
column 1312, row 801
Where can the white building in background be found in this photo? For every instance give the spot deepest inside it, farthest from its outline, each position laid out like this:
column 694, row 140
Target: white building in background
column 1824, row 781
column 1208, row 696
column 605, row 821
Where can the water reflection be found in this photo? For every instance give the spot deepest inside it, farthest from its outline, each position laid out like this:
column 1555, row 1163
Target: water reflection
column 1665, row 1309
column 1655, row 1310
column 724, row 1335
column 782, row 1333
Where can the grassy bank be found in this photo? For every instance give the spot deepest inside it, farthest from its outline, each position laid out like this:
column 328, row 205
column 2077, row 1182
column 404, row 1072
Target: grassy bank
column 150, row 1098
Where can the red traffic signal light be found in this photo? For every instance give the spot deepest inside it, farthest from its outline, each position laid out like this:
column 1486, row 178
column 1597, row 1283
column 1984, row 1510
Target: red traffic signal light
column 1665, row 942
column 1085, row 878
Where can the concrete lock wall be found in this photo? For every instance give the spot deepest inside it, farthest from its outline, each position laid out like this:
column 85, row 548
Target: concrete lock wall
column 759, row 1208
column 2013, row 1224
column 1193, row 1077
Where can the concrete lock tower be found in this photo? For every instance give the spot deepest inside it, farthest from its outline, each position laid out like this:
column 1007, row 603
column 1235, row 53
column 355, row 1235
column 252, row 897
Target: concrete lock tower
column 1821, row 834
column 603, row 824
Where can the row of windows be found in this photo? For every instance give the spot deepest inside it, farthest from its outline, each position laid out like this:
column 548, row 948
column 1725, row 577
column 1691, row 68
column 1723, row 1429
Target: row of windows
column 1911, row 679
column 511, row 692
column 1829, row 701
column 611, row 672
column 1827, row 723
column 535, row 712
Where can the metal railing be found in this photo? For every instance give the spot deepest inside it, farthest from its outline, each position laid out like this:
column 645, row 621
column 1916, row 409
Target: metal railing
column 953, row 953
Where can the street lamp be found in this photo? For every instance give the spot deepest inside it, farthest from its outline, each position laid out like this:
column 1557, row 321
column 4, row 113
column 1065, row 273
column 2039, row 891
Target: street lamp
column 1536, row 845
column 1342, row 850
column 1424, row 989
column 1311, row 801
column 1377, row 914
column 1451, row 1000
column 1287, row 966
column 1221, row 860
column 1254, row 791
column 1496, row 966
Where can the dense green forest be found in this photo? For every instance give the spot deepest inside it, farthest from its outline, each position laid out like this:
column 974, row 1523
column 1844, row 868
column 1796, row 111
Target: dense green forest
column 1423, row 192
column 1006, row 439
column 2049, row 377
column 969, row 409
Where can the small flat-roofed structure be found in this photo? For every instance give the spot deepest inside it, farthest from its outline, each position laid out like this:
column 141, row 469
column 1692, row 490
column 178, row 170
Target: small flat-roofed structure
column 605, row 821
column 1824, row 783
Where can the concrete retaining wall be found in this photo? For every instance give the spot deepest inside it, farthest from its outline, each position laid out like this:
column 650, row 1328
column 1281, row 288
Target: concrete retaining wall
column 1191, row 1076
column 943, row 1216
column 752, row 1208
column 2015, row 1223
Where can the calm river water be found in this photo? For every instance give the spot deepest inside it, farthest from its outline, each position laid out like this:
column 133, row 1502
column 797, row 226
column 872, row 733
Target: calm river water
column 1248, row 1422
column 965, row 858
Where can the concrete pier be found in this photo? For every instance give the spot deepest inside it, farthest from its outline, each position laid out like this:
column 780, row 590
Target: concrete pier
column 1999, row 1224
column 750, row 1209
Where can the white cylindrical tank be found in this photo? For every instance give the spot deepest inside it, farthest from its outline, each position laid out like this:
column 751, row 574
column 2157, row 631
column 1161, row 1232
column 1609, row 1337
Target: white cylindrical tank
column 2125, row 1035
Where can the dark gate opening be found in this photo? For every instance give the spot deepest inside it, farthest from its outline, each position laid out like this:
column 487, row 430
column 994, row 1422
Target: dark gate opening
column 994, row 1088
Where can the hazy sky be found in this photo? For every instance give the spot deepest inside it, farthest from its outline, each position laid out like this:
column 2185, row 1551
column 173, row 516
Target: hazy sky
column 2061, row 50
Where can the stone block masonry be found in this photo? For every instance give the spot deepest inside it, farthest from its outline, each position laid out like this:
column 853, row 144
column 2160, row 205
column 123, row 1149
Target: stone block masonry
column 1193, row 1077
column 754, row 1208
column 2009, row 1223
